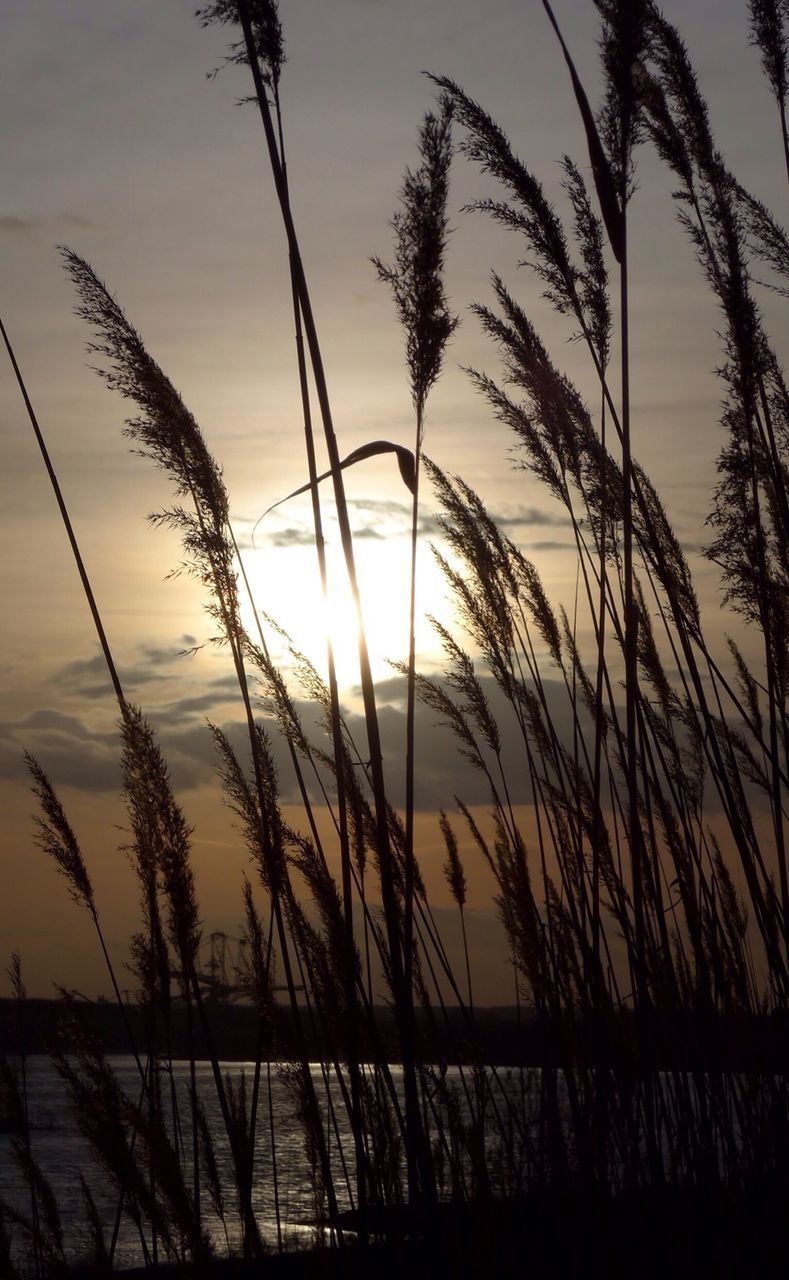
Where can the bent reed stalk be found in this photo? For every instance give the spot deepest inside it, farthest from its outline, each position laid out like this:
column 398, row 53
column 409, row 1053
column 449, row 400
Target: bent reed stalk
column 646, row 914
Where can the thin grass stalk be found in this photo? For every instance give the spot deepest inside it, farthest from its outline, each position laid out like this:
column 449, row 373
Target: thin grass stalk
column 100, row 632
column 273, row 1145
column 259, row 996
column 58, row 840
column 317, row 1019
column 578, row 738
column 172, row 438
column 408, row 889
column 678, row 609
column 417, row 1152
column 20, row 995
column 194, row 1101
column 336, row 728
column 600, row 727
column 427, row 931
column 232, row 631
column 721, row 248
column 614, row 201
column 480, row 1169
column 153, row 1112
column 769, row 23
column 82, row 571
column 420, row 227
column 631, row 616
column 370, row 928
column 308, row 808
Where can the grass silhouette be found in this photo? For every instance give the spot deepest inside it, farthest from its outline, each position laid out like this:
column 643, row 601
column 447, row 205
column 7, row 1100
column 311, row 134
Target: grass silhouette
column 645, row 936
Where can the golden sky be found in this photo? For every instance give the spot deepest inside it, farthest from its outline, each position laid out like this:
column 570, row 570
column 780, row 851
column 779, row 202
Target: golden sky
column 115, row 142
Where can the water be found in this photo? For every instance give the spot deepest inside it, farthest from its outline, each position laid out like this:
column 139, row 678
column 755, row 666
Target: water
column 65, row 1156
column 515, row 1141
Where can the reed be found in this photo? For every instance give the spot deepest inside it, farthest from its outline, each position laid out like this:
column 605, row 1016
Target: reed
column 644, row 934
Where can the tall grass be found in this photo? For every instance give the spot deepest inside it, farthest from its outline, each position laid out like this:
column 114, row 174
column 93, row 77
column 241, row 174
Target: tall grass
column 645, row 936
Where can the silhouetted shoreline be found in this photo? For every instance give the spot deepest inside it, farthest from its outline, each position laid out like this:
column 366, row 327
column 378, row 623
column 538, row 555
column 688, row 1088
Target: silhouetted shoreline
column 501, row 1035
column 575, row 1234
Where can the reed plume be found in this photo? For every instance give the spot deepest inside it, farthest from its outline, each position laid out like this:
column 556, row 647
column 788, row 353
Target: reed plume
column 769, row 32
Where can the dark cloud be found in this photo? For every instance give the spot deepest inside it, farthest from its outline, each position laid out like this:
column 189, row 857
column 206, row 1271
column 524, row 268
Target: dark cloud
column 17, row 224
column 159, row 657
column 528, row 515
column 428, row 527
column 397, row 517
column 510, row 518
column 90, row 678
column 380, row 507
column 77, row 221
column 441, row 771
column 292, row 537
column 48, row 721
column 82, row 667
column 67, row 749
column 201, row 704
column 76, row 755
column 389, row 690
column 11, row 222
column 520, row 517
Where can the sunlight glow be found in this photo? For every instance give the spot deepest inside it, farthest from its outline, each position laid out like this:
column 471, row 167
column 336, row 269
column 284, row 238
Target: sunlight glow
column 283, row 575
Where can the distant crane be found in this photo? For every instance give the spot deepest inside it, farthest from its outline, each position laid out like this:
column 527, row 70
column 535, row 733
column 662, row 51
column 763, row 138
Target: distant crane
column 223, row 973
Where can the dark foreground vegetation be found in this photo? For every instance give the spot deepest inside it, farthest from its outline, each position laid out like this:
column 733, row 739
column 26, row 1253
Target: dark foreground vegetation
column 560, row 1236
column 647, row 912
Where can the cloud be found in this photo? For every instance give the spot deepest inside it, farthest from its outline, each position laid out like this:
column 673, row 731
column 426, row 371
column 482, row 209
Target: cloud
column 77, row 221
column 49, row 721
column 77, row 755
column 159, row 657
column 380, row 507
column 17, row 224
column 528, row 515
column 74, row 671
column 11, row 222
column 152, row 664
column 301, row 536
column 73, row 754
column 384, row 518
column 428, row 527
column 519, row 518
column 202, row 704
column 508, row 518
column 290, row 538
column 67, row 749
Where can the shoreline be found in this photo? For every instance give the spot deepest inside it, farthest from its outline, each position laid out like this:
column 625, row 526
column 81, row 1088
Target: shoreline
column 572, row 1235
column 502, row 1036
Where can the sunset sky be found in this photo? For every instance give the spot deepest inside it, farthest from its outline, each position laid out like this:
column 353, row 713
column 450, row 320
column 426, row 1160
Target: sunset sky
column 115, row 143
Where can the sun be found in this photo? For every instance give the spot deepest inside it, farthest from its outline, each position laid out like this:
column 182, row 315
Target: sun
column 285, row 583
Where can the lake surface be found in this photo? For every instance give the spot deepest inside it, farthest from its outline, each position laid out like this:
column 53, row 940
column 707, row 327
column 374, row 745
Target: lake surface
column 63, row 1154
